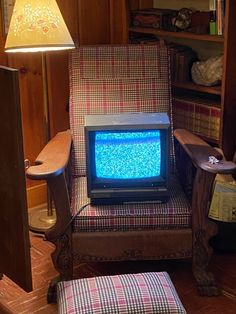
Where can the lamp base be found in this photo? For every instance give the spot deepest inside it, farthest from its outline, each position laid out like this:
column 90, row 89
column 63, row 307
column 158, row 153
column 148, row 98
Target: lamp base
column 40, row 221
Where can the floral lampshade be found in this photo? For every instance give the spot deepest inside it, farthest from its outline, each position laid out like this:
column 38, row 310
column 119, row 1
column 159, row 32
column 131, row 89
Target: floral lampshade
column 37, row 25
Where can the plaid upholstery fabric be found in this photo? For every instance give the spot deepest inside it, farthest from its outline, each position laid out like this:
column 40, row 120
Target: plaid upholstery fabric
column 201, row 116
column 127, row 294
column 174, row 214
column 116, row 79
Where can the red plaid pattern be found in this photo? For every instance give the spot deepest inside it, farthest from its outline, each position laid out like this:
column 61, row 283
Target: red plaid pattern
column 173, row 214
column 115, row 79
column 201, row 116
column 120, row 294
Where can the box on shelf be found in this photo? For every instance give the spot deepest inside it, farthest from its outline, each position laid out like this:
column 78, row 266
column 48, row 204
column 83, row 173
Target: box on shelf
column 200, row 116
column 181, row 60
column 200, row 22
column 153, row 18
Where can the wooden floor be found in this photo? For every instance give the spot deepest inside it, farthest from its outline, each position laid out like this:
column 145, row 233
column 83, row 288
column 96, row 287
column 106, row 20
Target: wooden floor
column 21, row 302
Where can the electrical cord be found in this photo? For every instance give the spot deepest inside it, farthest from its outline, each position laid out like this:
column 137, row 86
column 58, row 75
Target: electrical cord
column 72, row 219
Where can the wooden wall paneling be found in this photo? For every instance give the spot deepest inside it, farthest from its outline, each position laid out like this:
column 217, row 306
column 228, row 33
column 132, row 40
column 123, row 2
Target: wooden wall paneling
column 58, row 91
column 119, row 18
column 94, row 21
column 228, row 119
column 31, row 95
column 88, row 23
column 31, row 102
column 57, row 72
column 119, row 22
column 69, row 10
column 201, row 5
column 37, row 195
column 140, row 4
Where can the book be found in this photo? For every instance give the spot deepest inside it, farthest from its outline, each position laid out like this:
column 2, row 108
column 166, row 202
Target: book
column 184, row 62
column 212, row 8
column 198, row 115
column 174, row 50
column 219, row 17
column 223, row 203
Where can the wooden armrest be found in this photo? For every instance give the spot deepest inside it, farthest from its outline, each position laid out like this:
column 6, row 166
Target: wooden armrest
column 199, row 152
column 53, row 159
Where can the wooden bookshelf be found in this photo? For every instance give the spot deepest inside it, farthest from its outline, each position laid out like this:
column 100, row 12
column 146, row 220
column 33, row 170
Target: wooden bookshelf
column 183, row 35
column 214, row 90
column 226, row 93
column 205, row 45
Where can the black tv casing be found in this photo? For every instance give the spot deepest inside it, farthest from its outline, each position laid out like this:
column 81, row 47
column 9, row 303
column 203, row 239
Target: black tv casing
column 120, row 191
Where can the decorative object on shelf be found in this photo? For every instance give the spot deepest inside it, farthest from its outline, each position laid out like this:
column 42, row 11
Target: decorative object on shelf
column 209, row 72
column 190, row 20
column 153, row 18
column 213, row 160
column 200, row 21
column 183, row 19
column 38, row 26
column 181, row 60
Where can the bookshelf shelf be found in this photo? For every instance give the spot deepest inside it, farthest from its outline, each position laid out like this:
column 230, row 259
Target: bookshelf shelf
column 183, row 35
column 205, row 45
column 214, row 90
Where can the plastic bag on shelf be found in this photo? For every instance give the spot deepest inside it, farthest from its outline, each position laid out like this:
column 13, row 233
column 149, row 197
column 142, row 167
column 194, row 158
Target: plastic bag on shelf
column 209, row 72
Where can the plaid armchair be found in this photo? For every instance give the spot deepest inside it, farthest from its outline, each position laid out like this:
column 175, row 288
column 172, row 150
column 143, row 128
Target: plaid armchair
column 117, row 79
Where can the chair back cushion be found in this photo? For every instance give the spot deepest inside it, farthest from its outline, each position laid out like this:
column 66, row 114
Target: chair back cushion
column 116, row 79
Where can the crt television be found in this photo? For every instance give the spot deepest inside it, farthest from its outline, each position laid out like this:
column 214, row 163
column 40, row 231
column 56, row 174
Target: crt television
column 127, row 157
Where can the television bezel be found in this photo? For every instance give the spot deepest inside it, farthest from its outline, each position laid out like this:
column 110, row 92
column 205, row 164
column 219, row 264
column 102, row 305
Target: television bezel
column 103, row 191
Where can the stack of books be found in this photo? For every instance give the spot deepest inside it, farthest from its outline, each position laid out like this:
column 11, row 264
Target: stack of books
column 181, row 60
column 217, row 9
column 198, row 115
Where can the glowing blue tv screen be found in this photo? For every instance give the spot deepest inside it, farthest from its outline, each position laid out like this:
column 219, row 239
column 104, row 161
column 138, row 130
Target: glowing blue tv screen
column 127, row 155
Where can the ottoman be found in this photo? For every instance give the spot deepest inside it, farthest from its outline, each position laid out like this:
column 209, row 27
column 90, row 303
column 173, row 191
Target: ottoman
column 151, row 292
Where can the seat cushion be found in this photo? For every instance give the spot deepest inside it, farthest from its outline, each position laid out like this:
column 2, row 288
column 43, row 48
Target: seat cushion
column 128, row 294
column 173, row 214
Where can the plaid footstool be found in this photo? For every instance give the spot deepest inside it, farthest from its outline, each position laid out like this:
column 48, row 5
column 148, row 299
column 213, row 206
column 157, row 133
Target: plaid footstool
column 121, row 294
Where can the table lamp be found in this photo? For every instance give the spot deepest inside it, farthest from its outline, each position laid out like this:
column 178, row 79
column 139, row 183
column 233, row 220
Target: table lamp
column 38, row 26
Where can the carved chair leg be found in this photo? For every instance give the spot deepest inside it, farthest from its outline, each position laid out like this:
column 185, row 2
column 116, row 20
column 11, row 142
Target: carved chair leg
column 59, row 236
column 52, row 290
column 203, row 230
column 62, row 260
column 206, row 283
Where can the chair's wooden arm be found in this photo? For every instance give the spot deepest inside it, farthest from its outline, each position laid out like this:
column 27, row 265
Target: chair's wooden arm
column 53, row 159
column 50, row 165
column 199, row 152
